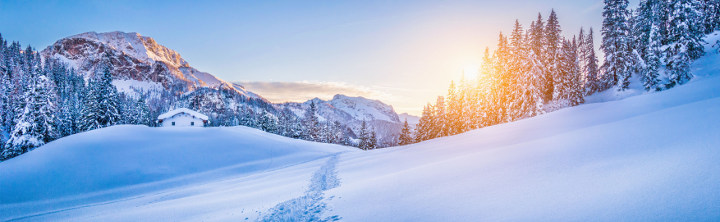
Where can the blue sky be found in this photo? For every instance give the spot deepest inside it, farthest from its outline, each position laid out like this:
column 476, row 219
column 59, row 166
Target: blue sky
column 404, row 53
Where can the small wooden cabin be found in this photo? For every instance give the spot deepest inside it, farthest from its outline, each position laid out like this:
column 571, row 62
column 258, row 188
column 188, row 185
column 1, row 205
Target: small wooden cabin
column 182, row 117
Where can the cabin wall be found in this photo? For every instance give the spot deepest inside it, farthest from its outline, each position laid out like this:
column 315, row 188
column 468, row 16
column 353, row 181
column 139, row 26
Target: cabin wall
column 182, row 119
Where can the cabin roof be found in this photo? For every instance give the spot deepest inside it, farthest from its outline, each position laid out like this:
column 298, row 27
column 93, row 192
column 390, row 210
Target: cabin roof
column 174, row 112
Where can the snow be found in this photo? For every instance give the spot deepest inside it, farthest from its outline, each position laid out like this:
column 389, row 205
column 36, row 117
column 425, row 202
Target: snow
column 137, row 46
column 135, row 88
column 174, row 112
column 641, row 157
column 364, row 109
column 648, row 157
column 411, row 119
column 229, row 166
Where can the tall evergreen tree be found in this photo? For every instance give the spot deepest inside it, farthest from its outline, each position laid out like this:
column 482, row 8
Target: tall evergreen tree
column 102, row 106
column 268, row 123
column 311, row 123
column 616, row 40
column 685, row 35
column 364, row 137
column 34, row 125
column 593, row 81
column 649, row 41
column 439, row 124
column 405, row 134
column 424, row 128
column 553, row 41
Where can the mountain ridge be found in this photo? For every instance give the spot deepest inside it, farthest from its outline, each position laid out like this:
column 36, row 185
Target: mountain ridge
column 142, row 66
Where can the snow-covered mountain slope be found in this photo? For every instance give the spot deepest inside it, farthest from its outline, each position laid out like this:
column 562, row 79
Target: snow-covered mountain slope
column 351, row 111
column 652, row 157
column 411, row 119
column 141, row 66
column 135, row 57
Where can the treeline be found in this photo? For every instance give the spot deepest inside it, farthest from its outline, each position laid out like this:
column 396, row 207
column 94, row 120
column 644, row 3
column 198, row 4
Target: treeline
column 538, row 69
column 43, row 101
column 308, row 127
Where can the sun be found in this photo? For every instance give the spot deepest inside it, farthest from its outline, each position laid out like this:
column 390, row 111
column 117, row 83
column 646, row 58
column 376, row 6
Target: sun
column 471, row 71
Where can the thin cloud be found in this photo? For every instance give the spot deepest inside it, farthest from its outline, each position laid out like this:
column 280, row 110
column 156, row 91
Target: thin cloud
column 279, row 92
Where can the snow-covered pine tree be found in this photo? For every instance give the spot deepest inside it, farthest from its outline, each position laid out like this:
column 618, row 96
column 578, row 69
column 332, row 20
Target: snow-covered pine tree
column 439, row 125
column 537, row 58
column 648, row 37
column 685, row 32
column 423, row 129
column 405, row 134
column 247, row 118
column 553, row 42
column 711, row 15
column 142, row 112
column 501, row 86
column 483, row 94
column 364, row 137
column 532, row 81
column 581, row 54
column 574, row 75
column 373, row 141
column 594, row 81
column 616, row 40
column 311, row 123
column 515, row 73
column 268, row 123
column 288, row 124
column 453, row 116
column 102, row 106
column 34, row 125
column 467, row 104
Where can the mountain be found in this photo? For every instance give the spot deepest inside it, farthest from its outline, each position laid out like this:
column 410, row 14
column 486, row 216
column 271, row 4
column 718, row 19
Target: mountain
column 141, row 66
column 137, row 59
column 352, row 111
column 411, row 119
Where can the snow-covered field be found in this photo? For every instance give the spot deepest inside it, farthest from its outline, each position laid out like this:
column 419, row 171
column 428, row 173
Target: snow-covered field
column 648, row 157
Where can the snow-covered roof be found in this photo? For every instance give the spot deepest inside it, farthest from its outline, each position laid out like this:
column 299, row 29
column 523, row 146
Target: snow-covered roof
column 174, row 112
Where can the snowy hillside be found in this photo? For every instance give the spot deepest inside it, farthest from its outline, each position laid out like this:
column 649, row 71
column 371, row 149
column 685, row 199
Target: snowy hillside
column 649, row 157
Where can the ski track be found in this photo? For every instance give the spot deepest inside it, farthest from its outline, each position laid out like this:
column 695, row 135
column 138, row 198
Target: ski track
column 310, row 206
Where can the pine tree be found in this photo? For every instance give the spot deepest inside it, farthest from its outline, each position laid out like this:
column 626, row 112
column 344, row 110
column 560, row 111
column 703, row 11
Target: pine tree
column 593, row 81
column 247, row 118
column 531, row 83
column 517, row 64
column 439, row 124
column 616, row 40
column 685, row 35
column 34, row 125
column 454, row 125
column 553, row 41
column 423, row 130
column 311, row 123
column 405, row 134
column 711, row 15
column 142, row 112
column 364, row 137
column 581, row 55
column 268, row 123
column 649, row 40
column 372, row 140
column 102, row 106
